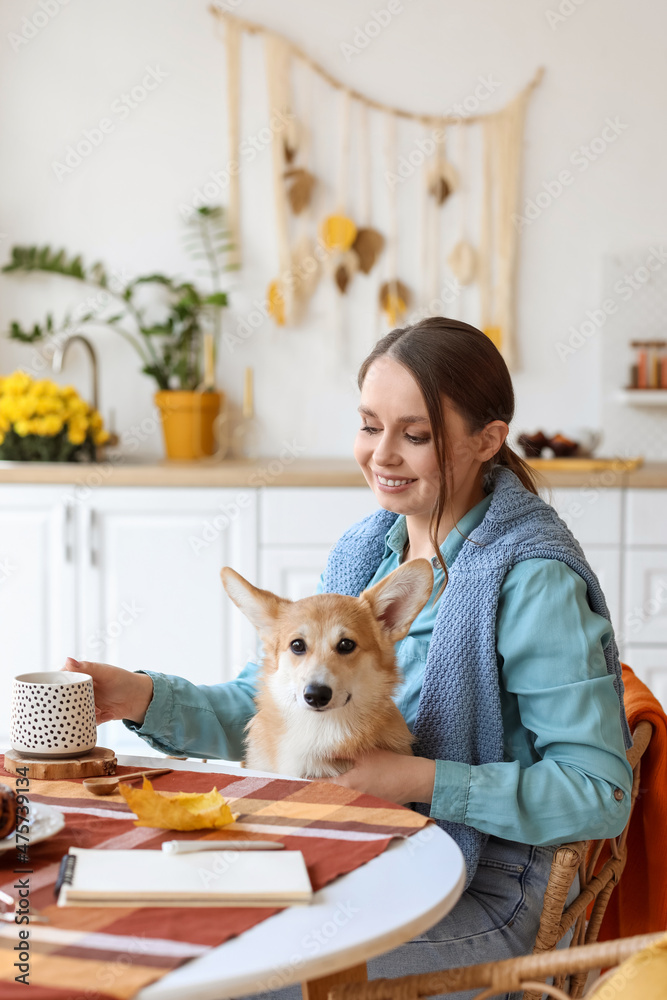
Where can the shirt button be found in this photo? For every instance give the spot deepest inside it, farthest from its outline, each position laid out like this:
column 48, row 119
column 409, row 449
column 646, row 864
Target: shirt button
column 618, row 794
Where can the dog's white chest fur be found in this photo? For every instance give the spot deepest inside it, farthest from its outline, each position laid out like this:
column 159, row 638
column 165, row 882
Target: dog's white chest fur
column 309, row 740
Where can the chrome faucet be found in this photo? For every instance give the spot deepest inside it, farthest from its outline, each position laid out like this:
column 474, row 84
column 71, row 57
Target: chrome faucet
column 59, row 359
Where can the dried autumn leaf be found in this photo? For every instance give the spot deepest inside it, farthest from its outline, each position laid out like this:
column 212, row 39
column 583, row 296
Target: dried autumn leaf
column 342, row 277
column 300, row 191
column 368, row 246
column 442, row 181
column 394, row 300
column 440, row 190
column 338, row 232
column 276, row 303
column 177, row 811
column 463, row 262
column 343, row 267
column 495, row 335
column 291, row 137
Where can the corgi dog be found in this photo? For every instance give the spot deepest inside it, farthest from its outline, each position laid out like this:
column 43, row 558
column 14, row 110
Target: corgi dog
column 329, row 672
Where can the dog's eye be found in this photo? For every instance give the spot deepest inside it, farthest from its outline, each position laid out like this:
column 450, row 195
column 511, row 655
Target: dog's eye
column 297, row 646
column 346, row 646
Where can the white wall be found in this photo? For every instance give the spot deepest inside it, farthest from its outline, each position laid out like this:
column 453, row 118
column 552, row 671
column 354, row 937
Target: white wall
column 603, row 60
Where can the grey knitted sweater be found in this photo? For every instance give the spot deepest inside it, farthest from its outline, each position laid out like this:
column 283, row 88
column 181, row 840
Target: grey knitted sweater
column 459, row 714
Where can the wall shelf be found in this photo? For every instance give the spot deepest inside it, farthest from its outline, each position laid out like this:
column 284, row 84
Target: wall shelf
column 642, row 397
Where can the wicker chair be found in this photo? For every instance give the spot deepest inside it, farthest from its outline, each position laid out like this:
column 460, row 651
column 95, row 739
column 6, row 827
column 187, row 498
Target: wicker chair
column 555, row 922
column 493, row 978
column 583, row 857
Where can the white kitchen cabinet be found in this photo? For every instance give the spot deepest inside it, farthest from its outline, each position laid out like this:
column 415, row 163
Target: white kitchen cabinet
column 37, row 584
column 292, row 570
column 606, row 564
column 645, row 611
column 149, row 562
column 647, row 517
column 298, row 527
column 311, row 515
column 593, row 514
column 152, row 597
column 130, row 575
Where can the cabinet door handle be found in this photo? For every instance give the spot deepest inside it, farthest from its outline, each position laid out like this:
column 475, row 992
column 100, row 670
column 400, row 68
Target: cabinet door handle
column 68, row 521
column 92, row 551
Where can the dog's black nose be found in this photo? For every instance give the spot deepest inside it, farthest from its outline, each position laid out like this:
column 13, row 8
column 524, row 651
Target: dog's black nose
column 317, row 695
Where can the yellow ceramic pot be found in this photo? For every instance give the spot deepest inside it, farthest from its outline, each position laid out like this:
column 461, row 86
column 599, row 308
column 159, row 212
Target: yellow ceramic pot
column 188, row 422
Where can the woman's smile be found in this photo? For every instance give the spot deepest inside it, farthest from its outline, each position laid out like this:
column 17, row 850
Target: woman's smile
column 393, row 484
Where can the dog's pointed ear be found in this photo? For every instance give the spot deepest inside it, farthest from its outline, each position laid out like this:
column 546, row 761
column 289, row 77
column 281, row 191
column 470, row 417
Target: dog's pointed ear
column 260, row 607
column 397, row 600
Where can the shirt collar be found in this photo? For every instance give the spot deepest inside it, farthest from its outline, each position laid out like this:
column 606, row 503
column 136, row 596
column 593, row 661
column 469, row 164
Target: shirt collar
column 397, row 536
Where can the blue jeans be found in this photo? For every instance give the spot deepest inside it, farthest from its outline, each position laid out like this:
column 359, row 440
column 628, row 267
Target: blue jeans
column 497, row 917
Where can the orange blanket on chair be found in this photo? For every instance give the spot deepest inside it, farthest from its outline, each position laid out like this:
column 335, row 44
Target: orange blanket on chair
column 638, row 905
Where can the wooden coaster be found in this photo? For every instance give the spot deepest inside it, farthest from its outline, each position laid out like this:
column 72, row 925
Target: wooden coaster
column 97, row 761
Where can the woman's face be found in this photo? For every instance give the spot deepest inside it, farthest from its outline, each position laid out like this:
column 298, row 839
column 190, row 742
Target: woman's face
column 395, row 446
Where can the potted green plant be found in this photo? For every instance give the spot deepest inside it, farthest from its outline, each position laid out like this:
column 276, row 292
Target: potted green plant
column 171, row 347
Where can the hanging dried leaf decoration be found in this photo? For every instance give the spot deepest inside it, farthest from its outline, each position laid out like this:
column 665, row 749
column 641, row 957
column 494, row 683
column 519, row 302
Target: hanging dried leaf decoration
column 305, row 268
column 291, row 139
column 338, row 232
column 463, row 262
column 289, row 151
column 495, row 335
column 368, row 246
column 394, row 300
column 443, row 180
column 300, row 189
column 439, row 189
column 276, row 302
column 345, row 267
column 342, row 277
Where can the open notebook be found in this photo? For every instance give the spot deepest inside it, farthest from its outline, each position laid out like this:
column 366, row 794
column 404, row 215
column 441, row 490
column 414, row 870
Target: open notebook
column 154, row 878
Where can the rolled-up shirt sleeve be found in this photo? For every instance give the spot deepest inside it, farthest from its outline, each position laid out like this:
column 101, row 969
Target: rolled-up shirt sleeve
column 566, row 776
column 199, row 720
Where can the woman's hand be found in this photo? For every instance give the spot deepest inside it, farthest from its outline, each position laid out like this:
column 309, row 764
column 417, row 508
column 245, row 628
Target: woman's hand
column 392, row 776
column 119, row 694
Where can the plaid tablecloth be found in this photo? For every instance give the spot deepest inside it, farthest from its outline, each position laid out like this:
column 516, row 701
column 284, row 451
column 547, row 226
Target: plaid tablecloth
column 102, row 953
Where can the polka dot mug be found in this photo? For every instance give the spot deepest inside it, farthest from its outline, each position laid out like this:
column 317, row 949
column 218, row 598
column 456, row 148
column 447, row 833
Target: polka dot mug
column 53, row 714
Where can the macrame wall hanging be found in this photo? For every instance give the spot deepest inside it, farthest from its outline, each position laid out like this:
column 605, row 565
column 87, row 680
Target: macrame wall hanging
column 340, row 228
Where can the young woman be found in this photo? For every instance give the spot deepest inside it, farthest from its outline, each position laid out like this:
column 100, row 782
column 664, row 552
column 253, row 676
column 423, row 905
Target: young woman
column 510, row 674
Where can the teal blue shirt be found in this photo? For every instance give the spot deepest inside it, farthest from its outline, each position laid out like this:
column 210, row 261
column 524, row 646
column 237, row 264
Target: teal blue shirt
column 564, row 751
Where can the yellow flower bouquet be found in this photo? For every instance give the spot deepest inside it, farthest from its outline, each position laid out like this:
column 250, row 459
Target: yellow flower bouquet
column 41, row 421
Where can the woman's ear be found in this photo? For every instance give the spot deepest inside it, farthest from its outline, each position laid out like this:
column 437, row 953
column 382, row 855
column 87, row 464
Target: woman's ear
column 491, row 439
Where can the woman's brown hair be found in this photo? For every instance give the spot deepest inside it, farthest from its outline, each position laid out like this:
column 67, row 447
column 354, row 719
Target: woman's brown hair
column 449, row 358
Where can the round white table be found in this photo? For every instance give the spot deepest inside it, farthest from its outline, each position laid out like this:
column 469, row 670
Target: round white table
column 391, row 899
